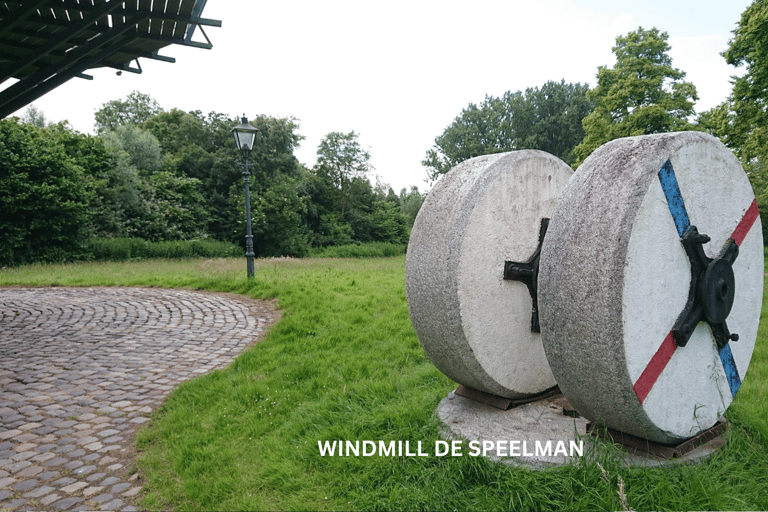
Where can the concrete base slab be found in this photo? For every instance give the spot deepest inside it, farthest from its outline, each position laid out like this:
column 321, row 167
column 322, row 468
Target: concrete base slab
column 538, row 435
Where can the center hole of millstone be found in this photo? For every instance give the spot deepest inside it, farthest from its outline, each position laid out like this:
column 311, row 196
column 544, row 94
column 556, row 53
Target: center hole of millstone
column 718, row 290
column 722, row 289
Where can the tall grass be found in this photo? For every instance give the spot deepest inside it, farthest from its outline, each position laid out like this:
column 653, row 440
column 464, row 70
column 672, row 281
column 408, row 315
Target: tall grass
column 368, row 250
column 344, row 363
column 122, row 249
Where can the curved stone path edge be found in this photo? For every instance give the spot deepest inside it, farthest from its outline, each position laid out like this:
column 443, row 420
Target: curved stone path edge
column 81, row 369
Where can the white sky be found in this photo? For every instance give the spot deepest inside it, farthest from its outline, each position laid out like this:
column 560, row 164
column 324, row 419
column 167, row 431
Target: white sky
column 398, row 72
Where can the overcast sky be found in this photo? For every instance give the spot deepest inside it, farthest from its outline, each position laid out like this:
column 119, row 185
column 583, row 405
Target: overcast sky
column 399, row 72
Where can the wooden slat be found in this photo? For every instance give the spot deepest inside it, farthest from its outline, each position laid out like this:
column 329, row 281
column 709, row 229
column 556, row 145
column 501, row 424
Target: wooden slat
column 175, row 28
column 144, row 5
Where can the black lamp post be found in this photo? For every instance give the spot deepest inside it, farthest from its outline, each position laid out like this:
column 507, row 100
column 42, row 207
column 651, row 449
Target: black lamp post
column 245, row 134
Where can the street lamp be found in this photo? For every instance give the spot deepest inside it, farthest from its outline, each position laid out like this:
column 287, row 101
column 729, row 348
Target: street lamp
column 245, row 134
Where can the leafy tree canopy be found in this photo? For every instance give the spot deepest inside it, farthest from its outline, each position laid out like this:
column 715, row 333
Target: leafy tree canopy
column 341, row 158
column 547, row 118
column 44, row 195
column 141, row 146
column 135, row 109
column 741, row 122
column 641, row 94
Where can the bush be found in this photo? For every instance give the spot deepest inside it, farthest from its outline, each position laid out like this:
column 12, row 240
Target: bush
column 121, row 249
column 369, row 250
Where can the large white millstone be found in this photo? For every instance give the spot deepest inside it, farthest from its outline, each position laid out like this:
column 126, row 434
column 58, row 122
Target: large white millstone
column 614, row 277
column 474, row 325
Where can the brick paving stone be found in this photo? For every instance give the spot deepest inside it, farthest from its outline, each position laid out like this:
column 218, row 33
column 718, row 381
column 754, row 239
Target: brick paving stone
column 113, row 505
column 49, row 499
column 15, row 467
column 39, row 492
column 74, row 487
column 65, row 448
column 84, row 470
column 47, row 475
column 64, row 481
column 15, row 503
column 8, row 434
column 96, row 373
column 67, row 503
column 132, row 492
column 42, row 457
column 23, row 447
column 4, row 494
column 25, row 485
column 101, row 498
column 24, row 455
column 30, row 471
column 95, row 477
column 92, row 490
column 55, row 462
column 120, row 487
column 73, row 464
column 88, row 440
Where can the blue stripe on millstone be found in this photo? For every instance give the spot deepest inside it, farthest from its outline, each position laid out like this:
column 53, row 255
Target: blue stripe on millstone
column 675, row 201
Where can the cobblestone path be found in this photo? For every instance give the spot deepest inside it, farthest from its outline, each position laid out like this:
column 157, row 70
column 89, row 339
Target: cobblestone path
column 81, row 369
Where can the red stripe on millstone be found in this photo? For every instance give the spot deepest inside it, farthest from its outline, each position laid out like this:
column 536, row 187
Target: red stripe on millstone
column 746, row 223
column 657, row 364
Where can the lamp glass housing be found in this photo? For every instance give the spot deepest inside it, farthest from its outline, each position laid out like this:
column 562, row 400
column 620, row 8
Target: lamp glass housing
column 245, row 134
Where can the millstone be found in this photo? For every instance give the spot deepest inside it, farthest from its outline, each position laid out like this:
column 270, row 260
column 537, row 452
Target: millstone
column 651, row 269
column 475, row 325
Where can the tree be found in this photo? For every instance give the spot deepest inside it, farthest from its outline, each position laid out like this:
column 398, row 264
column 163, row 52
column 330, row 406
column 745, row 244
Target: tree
column 741, row 122
column 35, row 116
column 642, row 94
column 44, row 196
column 547, row 118
column 745, row 117
column 136, row 109
column 410, row 204
column 340, row 158
column 277, row 217
column 140, row 145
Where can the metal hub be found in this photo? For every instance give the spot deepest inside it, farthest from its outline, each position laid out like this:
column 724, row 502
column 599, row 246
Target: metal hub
column 527, row 272
column 713, row 288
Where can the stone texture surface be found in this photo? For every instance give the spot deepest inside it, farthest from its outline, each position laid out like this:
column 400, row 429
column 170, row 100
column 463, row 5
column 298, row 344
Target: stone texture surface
column 474, row 325
column 81, row 369
column 614, row 277
column 513, row 435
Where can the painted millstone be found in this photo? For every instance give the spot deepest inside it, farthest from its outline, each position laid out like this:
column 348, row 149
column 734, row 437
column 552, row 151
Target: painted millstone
column 471, row 271
column 651, row 284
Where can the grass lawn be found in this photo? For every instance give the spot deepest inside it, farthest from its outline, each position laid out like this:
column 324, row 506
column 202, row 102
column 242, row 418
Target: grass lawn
column 344, row 363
